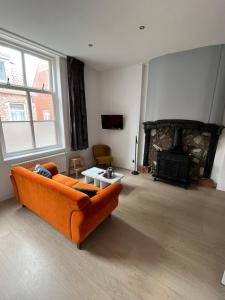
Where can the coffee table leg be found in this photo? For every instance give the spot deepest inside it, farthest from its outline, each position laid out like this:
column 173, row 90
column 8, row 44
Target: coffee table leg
column 103, row 184
column 97, row 182
column 88, row 179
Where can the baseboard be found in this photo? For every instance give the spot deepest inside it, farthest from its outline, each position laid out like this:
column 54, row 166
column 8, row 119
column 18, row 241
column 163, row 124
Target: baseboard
column 6, row 197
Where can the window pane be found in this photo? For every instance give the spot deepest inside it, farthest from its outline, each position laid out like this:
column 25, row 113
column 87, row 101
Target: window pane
column 3, row 76
column 13, row 105
column 45, row 133
column 42, row 107
column 11, row 66
column 17, row 112
column 17, row 135
column 37, row 72
column 14, row 114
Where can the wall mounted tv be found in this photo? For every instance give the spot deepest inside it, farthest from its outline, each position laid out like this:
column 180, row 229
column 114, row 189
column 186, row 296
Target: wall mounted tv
column 112, row 121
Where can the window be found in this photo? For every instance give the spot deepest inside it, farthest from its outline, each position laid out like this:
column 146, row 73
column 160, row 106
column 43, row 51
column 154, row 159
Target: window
column 17, row 111
column 2, row 71
column 46, row 115
column 28, row 102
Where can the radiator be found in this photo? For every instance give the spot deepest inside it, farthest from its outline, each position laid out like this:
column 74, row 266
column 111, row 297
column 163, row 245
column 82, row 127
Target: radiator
column 59, row 159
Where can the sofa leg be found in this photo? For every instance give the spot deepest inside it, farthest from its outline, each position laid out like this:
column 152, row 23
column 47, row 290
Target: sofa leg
column 79, row 246
column 109, row 216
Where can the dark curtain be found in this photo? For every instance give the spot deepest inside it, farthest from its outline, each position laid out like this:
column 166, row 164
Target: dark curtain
column 78, row 113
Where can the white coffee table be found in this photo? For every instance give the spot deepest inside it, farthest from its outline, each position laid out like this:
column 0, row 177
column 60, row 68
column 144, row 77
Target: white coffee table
column 95, row 174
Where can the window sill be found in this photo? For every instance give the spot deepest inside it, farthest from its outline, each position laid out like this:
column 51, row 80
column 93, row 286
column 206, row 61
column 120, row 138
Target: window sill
column 34, row 155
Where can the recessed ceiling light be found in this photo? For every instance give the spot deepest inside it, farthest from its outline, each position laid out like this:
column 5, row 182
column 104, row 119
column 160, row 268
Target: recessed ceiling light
column 90, row 45
column 141, row 27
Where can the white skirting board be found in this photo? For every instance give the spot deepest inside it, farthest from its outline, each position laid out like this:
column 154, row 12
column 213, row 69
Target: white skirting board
column 223, row 279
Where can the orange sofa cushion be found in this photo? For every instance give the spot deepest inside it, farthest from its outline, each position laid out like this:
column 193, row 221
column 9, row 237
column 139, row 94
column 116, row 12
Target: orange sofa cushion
column 68, row 181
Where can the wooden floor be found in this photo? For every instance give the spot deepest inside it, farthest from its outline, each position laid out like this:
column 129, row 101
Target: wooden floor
column 162, row 242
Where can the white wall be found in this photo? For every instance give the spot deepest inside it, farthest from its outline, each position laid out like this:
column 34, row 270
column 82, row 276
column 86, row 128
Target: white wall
column 184, row 86
column 221, row 176
column 5, row 184
column 6, row 190
column 218, row 171
column 120, row 93
column 144, row 90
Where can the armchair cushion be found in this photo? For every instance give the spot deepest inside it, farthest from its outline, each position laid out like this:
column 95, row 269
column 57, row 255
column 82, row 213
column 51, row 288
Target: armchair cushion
column 104, row 159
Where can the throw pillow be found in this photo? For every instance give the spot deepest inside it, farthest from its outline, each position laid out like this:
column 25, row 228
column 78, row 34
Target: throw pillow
column 90, row 193
column 43, row 171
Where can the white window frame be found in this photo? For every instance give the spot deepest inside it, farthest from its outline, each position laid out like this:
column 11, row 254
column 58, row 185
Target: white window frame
column 53, row 90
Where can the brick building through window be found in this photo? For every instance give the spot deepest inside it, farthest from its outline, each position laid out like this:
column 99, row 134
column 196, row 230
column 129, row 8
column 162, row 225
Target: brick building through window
column 41, row 103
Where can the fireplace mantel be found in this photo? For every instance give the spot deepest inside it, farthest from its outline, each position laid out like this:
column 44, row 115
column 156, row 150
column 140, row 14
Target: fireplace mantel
column 214, row 129
column 184, row 124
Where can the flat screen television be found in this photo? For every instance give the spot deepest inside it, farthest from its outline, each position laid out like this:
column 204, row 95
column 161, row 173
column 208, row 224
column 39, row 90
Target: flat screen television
column 112, row 121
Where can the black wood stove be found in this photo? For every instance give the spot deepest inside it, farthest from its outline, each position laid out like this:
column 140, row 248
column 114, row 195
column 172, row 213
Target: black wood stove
column 173, row 165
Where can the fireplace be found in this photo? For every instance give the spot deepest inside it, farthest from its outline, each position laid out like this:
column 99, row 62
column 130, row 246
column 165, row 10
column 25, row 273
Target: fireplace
column 187, row 149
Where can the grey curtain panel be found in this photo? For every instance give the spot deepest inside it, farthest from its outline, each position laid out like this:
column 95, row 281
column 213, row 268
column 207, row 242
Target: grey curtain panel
column 78, row 113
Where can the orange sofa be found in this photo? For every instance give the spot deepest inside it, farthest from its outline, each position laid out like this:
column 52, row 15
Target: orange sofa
column 71, row 212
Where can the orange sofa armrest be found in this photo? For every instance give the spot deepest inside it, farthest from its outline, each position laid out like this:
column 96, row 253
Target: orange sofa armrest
column 111, row 191
column 51, row 166
column 80, row 201
column 14, row 187
column 102, row 198
column 83, row 222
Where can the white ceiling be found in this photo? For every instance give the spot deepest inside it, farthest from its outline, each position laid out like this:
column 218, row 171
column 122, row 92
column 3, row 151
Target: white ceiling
column 69, row 26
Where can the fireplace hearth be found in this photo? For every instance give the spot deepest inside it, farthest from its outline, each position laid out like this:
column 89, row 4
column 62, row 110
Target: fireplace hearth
column 188, row 149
